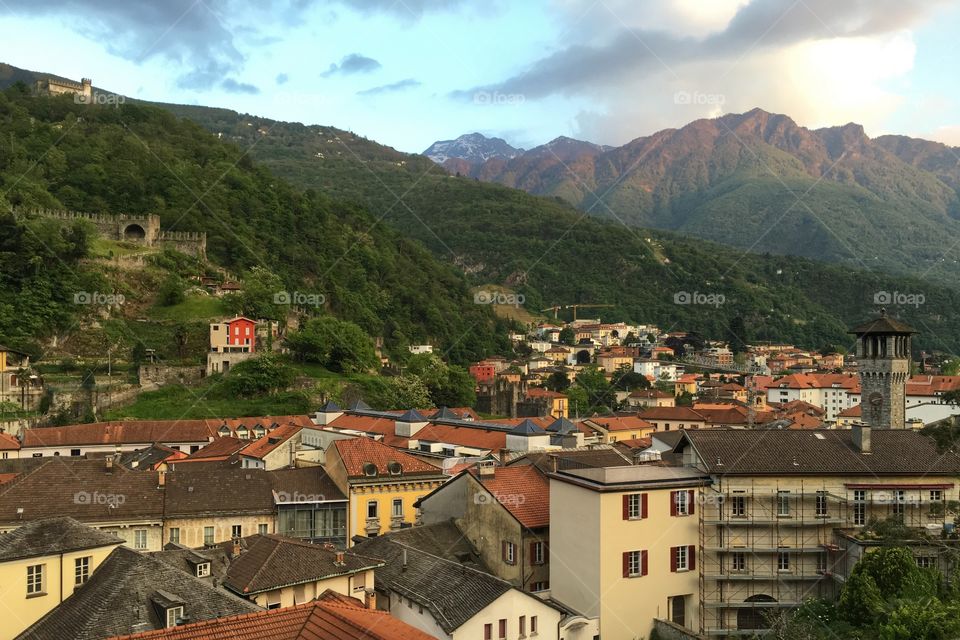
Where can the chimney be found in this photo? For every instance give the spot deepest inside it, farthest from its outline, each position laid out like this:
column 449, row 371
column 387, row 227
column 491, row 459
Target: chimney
column 487, row 469
column 237, row 550
column 404, row 566
column 161, row 478
column 370, row 598
column 108, row 463
column 503, row 455
column 339, row 559
column 860, row 434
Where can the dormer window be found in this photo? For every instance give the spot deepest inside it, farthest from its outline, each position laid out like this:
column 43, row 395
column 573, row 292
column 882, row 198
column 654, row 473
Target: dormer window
column 203, row 569
column 395, row 468
column 259, row 431
column 242, row 433
column 174, row 615
column 369, row 469
column 224, row 430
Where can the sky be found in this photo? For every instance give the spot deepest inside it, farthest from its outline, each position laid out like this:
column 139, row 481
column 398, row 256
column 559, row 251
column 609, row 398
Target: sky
column 409, row 72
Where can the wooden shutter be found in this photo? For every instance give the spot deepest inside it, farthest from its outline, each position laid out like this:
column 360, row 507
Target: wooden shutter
column 626, row 564
column 643, row 563
column 692, row 557
column 533, row 553
column 691, row 501
column 503, row 550
column 673, row 559
column 626, row 506
column 673, row 503
column 643, row 505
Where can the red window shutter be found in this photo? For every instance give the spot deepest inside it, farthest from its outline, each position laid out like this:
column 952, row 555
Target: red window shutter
column 643, row 505
column 691, row 502
column 673, row 503
column 673, row 559
column 626, row 564
column 692, row 554
column 626, row 506
column 643, row 563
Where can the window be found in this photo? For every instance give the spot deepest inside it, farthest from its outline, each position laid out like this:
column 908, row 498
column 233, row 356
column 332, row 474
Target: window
column 936, row 495
column 738, row 561
column 634, row 506
column 203, row 569
column 821, row 562
column 81, row 570
column 926, row 562
column 533, row 625
column 236, row 531
column 678, row 610
column 821, row 511
column 783, row 561
column 503, row 628
column 74, row 452
column 899, row 497
column 140, row 539
column 681, row 503
column 859, row 507
column 682, row 558
column 539, row 586
column 488, row 631
column 174, row 614
column 175, row 535
column 681, row 553
column 509, row 552
column 397, row 510
column 783, row 504
column 372, row 509
column 263, row 529
column 538, row 553
column 35, row 580
column 523, row 626
column 208, row 535
column 634, row 564
column 738, row 507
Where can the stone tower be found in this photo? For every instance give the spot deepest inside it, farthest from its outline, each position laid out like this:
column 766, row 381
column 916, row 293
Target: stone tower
column 883, row 356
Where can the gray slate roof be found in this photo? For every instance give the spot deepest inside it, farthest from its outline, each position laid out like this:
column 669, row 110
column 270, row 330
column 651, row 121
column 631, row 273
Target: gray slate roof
column 119, row 598
column 453, row 593
column 817, row 451
column 442, row 539
column 52, row 536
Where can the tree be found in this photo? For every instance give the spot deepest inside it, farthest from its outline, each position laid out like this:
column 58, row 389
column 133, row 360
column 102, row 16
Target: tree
column 737, row 335
column 336, row 344
column 557, row 381
column 597, row 396
column 950, row 367
column 626, row 379
column 567, row 336
column 259, row 376
column 171, row 291
column 449, row 385
column 262, row 297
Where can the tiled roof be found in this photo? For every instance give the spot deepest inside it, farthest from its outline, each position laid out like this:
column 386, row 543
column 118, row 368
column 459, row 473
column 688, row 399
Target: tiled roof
column 463, row 436
column 289, row 485
column 931, row 385
column 120, row 596
column 442, row 539
column 671, row 413
column 268, row 443
column 537, row 392
column 8, row 442
column 821, row 451
column 624, row 423
column 595, row 456
column 52, row 536
column 149, row 457
column 357, row 452
column 204, row 489
column 851, row 412
column 270, row 562
column 221, row 447
column 522, row 490
column 882, row 325
column 451, row 592
column 82, row 489
column 132, row 432
column 330, row 617
column 650, row 393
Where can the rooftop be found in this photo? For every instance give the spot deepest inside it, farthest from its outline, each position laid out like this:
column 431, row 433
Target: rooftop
column 51, row 536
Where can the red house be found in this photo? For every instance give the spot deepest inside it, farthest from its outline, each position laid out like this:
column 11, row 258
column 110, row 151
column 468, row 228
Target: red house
column 483, row 373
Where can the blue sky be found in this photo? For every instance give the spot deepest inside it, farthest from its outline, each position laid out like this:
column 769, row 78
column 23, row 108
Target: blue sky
column 409, row 72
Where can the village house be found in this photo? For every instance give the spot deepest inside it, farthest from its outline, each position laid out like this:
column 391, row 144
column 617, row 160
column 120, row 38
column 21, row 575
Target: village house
column 18, row 384
column 673, row 418
column 650, row 398
column 231, row 341
column 616, row 428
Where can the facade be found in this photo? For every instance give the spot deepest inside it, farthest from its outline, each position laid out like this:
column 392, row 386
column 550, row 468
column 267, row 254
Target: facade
column 883, row 361
column 231, row 341
column 17, row 385
column 624, row 546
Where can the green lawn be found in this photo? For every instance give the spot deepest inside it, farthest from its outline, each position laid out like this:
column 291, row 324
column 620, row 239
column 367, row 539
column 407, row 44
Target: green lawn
column 195, row 307
column 103, row 248
column 179, row 402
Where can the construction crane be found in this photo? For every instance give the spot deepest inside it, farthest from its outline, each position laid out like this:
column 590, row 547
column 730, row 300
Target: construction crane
column 556, row 308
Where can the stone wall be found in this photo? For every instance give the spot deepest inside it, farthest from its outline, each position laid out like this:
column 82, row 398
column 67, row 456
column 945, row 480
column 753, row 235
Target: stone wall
column 666, row 630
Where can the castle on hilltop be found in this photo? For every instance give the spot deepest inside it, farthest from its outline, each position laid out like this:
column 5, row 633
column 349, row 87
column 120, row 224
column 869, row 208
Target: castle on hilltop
column 142, row 229
column 57, row 86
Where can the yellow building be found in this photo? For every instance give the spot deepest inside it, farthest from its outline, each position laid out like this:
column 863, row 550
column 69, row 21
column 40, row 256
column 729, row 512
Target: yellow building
column 381, row 484
column 41, row 563
column 624, row 546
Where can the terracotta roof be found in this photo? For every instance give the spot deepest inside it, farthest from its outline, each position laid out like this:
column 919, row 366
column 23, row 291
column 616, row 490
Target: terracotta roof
column 537, row 392
column 270, row 562
column 848, row 381
column 268, row 443
column 931, row 385
column 852, row 412
column 221, row 447
column 671, row 413
column 650, row 393
column 625, row 423
column 357, row 452
column 8, row 442
column 522, row 490
column 133, row 432
column 463, row 436
column 636, row 443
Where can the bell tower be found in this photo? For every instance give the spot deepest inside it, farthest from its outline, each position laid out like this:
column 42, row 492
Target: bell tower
column 883, row 357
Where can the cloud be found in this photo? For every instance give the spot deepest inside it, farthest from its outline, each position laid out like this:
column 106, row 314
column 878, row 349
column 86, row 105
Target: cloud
column 352, row 64
column 401, row 85
column 232, row 86
column 282, row 78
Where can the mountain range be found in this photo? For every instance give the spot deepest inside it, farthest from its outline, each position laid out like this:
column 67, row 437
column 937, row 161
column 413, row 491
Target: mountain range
column 761, row 182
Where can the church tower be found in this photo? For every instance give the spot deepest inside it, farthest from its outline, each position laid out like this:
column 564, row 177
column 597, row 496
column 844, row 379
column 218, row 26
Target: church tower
column 883, row 357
